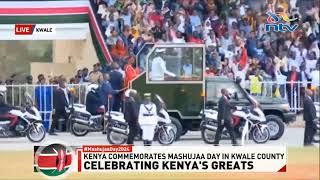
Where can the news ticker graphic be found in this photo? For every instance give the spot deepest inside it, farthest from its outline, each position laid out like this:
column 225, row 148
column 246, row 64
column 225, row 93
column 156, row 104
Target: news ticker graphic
column 34, row 29
column 56, row 159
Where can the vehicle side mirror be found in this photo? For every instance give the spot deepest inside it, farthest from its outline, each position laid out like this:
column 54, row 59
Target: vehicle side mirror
column 235, row 96
column 238, row 80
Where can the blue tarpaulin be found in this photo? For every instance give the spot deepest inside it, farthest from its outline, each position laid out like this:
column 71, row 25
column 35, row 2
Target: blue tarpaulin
column 43, row 95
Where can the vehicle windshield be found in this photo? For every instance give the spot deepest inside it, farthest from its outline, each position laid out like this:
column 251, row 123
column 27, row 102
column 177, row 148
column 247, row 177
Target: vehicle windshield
column 175, row 63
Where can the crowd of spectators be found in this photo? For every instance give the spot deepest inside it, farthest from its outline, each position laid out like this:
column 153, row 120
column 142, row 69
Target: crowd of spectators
column 233, row 31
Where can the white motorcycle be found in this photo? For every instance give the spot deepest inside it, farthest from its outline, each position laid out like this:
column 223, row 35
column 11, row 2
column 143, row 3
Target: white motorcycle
column 29, row 123
column 113, row 123
column 82, row 122
column 164, row 133
column 254, row 124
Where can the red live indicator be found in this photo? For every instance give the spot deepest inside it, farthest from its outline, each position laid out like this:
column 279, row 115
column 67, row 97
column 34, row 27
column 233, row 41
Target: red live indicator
column 23, row 29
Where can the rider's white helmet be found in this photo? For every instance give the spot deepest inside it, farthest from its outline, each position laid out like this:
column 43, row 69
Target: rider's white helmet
column 93, row 88
column 3, row 90
column 127, row 92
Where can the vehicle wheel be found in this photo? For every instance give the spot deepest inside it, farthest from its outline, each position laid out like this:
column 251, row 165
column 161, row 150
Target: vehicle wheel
column 116, row 138
column 177, row 127
column 36, row 135
column 166, row 137
column 78, row 131
column 260, row 136
column 276, row 126
column 208, row 135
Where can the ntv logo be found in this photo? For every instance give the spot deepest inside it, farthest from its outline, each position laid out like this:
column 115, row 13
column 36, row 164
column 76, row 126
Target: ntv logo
column 274, row 20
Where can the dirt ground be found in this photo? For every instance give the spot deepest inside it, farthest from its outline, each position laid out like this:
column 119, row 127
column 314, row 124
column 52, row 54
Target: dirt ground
column 303, row 165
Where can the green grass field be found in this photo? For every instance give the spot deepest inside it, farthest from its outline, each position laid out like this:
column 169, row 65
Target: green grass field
column 303, row 163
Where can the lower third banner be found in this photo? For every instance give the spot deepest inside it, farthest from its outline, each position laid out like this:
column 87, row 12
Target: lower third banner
column 181, row 159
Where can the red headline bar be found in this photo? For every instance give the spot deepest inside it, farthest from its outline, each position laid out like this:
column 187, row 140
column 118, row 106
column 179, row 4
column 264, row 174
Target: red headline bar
column 106, row 148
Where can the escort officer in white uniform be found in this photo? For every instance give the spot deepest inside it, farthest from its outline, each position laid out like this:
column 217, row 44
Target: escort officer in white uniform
column 148, row 119
column 158, row 67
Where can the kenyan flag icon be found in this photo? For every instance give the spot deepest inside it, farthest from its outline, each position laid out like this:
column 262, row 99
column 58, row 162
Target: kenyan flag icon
column 53, row 160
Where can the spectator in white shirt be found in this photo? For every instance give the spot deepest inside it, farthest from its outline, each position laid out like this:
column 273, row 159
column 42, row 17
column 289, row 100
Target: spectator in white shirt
column 232, row 19
column 195, row 19
column 314, row 48
column 281, row 61
column 240, row 72
column 281, row 81
column 293, row 4
column 315, row 78
column 127, row 17
column 226, row 41
column 292, row 61
column 179, row 38
column 300, row 52
column 311, row 62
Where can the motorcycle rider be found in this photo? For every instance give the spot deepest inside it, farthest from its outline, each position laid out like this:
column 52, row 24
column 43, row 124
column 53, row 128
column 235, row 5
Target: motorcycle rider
column 5, row 109
column 93, row 102
column 147, row 119
column 131, row 114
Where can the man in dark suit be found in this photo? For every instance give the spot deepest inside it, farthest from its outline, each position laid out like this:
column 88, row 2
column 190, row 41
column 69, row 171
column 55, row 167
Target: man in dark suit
column 225, row 117
column 116, row 80
column 60, row 105
column 105, row 91
column 309, row 114
column 131, row 113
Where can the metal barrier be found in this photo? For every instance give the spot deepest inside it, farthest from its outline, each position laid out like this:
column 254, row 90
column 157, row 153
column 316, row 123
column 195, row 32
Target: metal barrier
column 293, row 92
column 42, row 96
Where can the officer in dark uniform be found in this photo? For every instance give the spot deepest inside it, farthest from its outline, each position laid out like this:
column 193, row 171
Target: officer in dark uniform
column 309, row 115
column 225, row 117
column 131, row 113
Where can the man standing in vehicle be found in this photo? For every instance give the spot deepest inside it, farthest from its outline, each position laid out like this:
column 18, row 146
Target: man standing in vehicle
column 147, row 119
column 225, row 117
column 158, row 67
column 131, row 114
column 309, row 114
